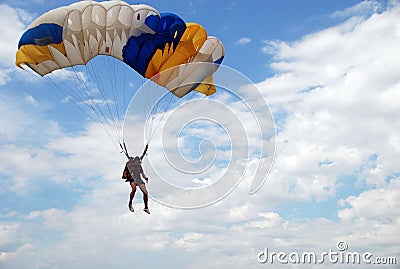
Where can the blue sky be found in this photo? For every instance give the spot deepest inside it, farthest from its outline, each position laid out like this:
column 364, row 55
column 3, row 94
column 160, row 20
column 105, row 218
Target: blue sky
column 328, row 71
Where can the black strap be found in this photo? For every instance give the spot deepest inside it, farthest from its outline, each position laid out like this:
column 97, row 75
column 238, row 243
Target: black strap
column 124, row 149
column 144, row 152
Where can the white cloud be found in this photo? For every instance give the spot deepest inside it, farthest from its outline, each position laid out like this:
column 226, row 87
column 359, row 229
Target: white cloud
column 30, row 99
column 4, row 76
column 12, row 21
column 365, row 8
column 383, row 200
column 243, row 41
column 15, row 122
column 9, row 237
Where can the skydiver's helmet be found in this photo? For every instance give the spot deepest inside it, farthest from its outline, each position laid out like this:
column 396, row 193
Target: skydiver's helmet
column 136, row 159
column 130, row 159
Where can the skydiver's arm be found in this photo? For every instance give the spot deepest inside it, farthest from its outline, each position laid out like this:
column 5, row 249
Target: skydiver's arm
column 144, row 176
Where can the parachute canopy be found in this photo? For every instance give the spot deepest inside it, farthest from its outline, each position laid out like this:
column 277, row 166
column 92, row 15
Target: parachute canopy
column 148, row 41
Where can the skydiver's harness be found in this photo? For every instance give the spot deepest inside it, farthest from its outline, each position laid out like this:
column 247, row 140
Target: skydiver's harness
column 125, row 150
column 126, row 174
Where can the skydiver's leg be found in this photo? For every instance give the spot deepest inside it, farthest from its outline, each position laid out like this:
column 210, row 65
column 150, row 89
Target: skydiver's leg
column 132, row 194
column 145, row 197
column 133, row 185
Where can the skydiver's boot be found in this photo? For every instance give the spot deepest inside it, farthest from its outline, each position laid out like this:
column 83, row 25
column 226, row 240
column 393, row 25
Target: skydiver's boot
column 131, row 208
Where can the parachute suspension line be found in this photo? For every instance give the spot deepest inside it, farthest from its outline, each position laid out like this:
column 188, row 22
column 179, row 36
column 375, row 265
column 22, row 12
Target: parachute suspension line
column 95, row 75
column 125, row 91
column 125, row 107
column 93, row 70
column 117, row 121
column 81, row 95
column 163, row 113
column 89, row 99
column 160, row 110
column 119, row 75
column 113, row 83
column 124, row 149
column 72, row 96
column 150, row 95
column 190, row 96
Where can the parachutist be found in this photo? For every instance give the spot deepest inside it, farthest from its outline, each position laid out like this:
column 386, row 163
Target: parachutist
column 132, row 173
